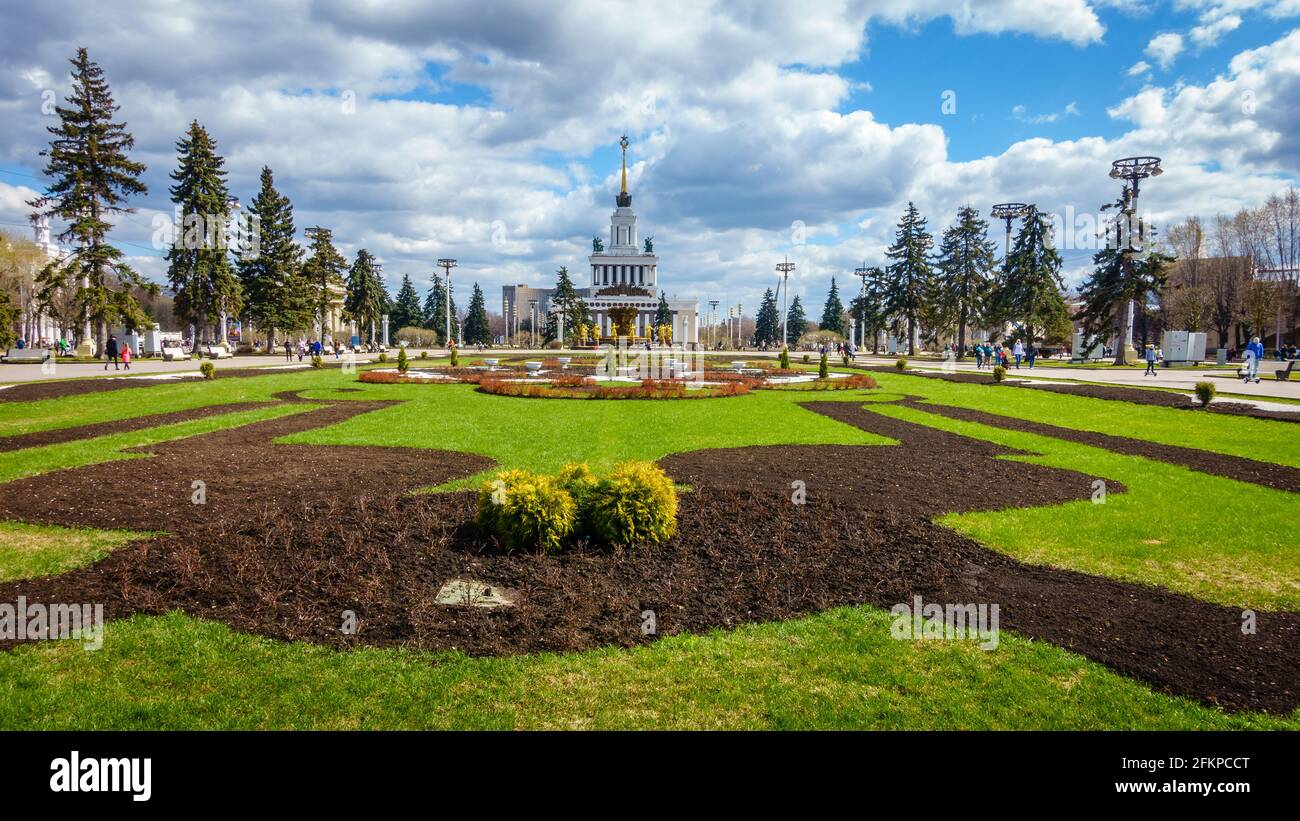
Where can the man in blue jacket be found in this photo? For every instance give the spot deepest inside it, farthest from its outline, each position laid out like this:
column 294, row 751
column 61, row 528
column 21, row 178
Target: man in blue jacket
column 1254, row 353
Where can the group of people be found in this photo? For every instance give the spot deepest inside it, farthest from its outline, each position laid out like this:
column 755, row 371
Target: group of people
column 316, row 348
column 991, row 354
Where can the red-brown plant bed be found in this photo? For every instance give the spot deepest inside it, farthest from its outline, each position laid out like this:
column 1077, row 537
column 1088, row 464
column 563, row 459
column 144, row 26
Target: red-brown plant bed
column 854, row 382
column 582, row 388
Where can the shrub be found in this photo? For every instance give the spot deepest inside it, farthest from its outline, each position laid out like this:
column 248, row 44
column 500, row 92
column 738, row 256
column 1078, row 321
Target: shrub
column 636, row 504
column 845, row 359
column 901, row 363
column 424, row 354
column 316, row 361
column 999, row 373
column 208, row 370
column 806, row 360
column 823, row 371
column 383, row 357
column 402, row 362
column 1205, row 392
column 527, row 511
column 455, row 357
column 784, row 359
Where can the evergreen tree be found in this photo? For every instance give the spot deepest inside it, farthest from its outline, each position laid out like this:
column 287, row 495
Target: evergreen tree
column 868, row 307
column 833, row 312
column 8, row 321
column 365, row 294
column 965, row 266
column 91, row 179
column 795, row 321
column 435, row 312
column 1120, row 277
column 767, row 323
column 908, row 275
column 406, row 309
column 478, row 331
column 1029, row 294
column 323, row 274
column 199, row 270
column 275, row 292
column 566, row 300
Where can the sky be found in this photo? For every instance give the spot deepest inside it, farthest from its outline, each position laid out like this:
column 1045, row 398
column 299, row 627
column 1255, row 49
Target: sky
column 760, row 131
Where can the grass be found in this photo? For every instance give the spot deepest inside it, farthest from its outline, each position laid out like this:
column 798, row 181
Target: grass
column 838, row 669
column 1175, row 528
column 43, row 550
column 1171, row 529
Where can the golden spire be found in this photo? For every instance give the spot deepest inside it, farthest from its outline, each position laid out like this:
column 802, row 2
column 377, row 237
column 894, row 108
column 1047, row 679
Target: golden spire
column 624, row 143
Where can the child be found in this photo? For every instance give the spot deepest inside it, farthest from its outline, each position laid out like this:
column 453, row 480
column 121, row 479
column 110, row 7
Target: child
column 126, row 356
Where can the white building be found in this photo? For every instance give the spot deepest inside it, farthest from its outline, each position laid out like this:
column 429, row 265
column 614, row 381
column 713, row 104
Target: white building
column 623, row 284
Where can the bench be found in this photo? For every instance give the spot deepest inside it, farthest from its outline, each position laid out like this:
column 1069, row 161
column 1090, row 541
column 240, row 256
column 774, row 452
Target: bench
column 219, row 352
column 1284, row 374
column 27, row 356
column 173, row 354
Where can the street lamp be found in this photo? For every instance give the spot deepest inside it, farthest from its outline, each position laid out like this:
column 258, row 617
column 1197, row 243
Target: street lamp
column 1132, row 170
column 713, row 323
column 446, row 265
column 862, row 273
column 532, row 323
column 785, row 268
column 1009, row 211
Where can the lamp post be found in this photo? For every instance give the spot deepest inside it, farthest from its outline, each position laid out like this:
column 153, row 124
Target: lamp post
column 1009, row 211
column 785, row 268
column 532, row 323
column 713, row 321
column 862, row 273
column 446, row 265
column 1132, row 170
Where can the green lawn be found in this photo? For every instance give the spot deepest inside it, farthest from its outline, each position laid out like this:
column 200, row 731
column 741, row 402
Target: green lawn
column 1174, row 528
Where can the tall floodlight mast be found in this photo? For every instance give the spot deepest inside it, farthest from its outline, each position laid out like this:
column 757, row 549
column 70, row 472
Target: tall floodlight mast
column 862, row 273
column 784, row 268
column 1132, row 170
column 1009, row 211
column 446, row 265
column 713, row 321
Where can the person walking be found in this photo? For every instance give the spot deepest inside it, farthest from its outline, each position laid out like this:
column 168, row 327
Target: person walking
column 979, row 356
column 1031, row 353
column 126, row 357
column 111, row 352
column 1150, row 355
column 1019, row 352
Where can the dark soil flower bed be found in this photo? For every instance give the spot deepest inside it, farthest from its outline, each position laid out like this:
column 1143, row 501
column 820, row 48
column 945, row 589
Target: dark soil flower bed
column 278, row 552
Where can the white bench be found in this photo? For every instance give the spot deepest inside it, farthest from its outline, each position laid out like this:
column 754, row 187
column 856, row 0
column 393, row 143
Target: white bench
column 170, row 354
column 219, row 352
column 27, row 356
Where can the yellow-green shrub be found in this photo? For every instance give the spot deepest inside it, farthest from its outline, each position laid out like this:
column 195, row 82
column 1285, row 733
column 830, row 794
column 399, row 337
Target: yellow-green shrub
column 527, row 510
column 634, row 504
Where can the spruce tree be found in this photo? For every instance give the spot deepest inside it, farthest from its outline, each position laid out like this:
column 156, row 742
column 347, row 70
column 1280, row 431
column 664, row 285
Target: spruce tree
column 435, row 312
column 795, row 321
column 323, row 274
column 1119, row 277
column 478, row 330
column 1029, row 294
column 767, row 323
column 907, row 277
column 965, row 267
column 276, row 296
column 91, row 179
column 365, row 295
column 833, row 311
column 663, row 314
column 868, row 306
column 406, row 308
column 566, row 301
column 199, row 270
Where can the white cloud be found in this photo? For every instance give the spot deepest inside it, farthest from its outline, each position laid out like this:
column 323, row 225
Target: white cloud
column 1138, row 68
column 1165, row 48
column 1208, row 34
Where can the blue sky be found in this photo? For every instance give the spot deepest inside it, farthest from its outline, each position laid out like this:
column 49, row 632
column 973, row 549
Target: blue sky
column 488, row 133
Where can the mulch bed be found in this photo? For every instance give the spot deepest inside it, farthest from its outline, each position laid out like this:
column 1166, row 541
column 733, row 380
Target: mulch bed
column 55, row 389
column 60, row 435
column 1138, row 396
column 1279, row 477
column 294, row 535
